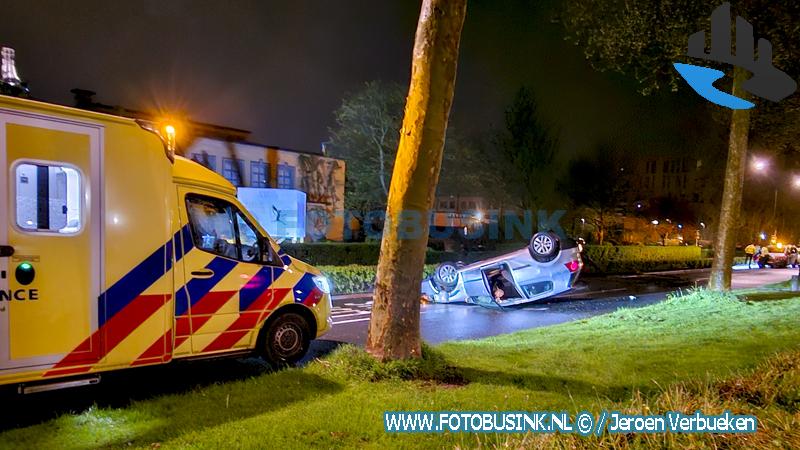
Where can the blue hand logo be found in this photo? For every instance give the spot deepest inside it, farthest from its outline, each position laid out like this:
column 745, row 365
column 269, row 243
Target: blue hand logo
column 767, row 81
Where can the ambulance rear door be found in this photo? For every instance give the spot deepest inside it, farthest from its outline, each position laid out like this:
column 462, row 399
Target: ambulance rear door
column 50, row 196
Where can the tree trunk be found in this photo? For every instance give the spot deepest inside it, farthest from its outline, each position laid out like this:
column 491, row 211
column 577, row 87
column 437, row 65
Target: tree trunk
column 394, row 327
column 232, row 153
column 725, row 242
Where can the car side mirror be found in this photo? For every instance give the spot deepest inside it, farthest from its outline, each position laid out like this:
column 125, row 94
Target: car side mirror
column 268, row 255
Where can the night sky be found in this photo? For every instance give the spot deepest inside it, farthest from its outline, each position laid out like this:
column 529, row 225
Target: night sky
column 280, row 68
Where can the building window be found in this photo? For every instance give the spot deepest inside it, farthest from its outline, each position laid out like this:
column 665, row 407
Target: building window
column 230, row 172
column 285, row 176
column 204, row 159
column 48, row 198
column 259, row 174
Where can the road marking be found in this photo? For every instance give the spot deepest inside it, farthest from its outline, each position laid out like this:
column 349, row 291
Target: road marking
column 351, row 321
column 355, row 314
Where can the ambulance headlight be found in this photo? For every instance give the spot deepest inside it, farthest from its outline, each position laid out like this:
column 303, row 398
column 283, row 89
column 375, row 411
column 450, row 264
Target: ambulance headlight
column 323, row 284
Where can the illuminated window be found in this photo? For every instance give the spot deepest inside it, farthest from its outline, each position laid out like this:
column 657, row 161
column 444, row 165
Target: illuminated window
column 285, row 176
column 259, row 174
column 231, row 172
column 48, row 198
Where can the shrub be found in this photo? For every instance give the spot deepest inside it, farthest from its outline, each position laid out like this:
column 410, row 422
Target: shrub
column 636, row 258
column 356, row 278
column 338, row 253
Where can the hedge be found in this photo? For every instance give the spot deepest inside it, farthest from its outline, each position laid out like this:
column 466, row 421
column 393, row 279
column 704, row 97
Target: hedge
column 356, row 278
column 640, row 258
column 361, row 253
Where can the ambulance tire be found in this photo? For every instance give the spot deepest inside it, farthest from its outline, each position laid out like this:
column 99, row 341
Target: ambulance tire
column 286, row 339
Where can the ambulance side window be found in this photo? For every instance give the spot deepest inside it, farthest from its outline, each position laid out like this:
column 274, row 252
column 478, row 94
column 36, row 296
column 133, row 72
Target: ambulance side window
column 220, row 228
column 212, row 225
column 48, row 198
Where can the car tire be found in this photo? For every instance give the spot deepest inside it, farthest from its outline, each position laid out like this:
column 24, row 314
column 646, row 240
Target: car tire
column 445, row 276
column 286, row 339
column 544, row 246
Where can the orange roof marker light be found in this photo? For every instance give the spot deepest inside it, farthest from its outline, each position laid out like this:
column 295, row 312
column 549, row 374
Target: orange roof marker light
column 169, row 131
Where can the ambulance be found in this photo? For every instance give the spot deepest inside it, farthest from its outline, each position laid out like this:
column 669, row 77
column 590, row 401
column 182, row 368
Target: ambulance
column 116, row 253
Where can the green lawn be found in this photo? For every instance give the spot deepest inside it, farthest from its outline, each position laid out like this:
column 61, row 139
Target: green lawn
column 696, row 351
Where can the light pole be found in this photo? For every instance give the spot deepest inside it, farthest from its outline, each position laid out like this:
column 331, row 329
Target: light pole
column 761, row 165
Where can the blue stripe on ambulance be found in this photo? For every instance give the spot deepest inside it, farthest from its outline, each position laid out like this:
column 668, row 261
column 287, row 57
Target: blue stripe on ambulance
column 132, row 284
column 285, row 258
column 199, row 287
column 303, row 287
column 183, row 242
column 256, row 286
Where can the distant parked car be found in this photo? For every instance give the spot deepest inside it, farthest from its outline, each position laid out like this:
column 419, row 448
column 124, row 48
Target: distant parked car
column 546, row 267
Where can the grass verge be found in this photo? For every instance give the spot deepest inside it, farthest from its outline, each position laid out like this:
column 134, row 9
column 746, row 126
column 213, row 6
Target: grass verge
column 698, row 351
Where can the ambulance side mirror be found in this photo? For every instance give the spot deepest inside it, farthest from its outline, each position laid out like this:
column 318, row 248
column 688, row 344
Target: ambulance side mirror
column 268, row 254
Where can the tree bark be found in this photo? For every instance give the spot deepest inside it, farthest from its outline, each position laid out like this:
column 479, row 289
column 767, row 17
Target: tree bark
column 394, row 327
column 725, row 242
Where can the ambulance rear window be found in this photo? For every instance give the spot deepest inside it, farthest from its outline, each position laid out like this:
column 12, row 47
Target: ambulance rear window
column 48, row 198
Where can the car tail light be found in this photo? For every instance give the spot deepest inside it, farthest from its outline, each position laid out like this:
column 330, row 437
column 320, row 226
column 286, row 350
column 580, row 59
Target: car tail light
column 573, row 266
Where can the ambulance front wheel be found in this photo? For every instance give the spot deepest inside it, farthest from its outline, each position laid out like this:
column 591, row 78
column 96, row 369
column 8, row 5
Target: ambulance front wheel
column 286, row 339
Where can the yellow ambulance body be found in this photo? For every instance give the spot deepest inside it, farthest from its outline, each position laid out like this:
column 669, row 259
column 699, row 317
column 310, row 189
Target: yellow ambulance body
column 114, row 253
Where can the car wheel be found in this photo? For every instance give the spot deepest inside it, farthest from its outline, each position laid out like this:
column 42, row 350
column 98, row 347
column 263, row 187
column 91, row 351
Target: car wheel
column 445, row 277
column 544, row 246
column 286, row 339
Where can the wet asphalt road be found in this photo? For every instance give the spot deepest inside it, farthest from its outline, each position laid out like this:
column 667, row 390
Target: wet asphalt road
column 591, row 296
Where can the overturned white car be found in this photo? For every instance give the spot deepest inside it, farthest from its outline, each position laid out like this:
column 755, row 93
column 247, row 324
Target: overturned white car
column 546, row 267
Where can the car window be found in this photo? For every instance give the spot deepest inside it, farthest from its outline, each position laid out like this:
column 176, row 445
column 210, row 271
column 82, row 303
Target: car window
column 248, row 238
column 213, row 229
column 219, row 227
